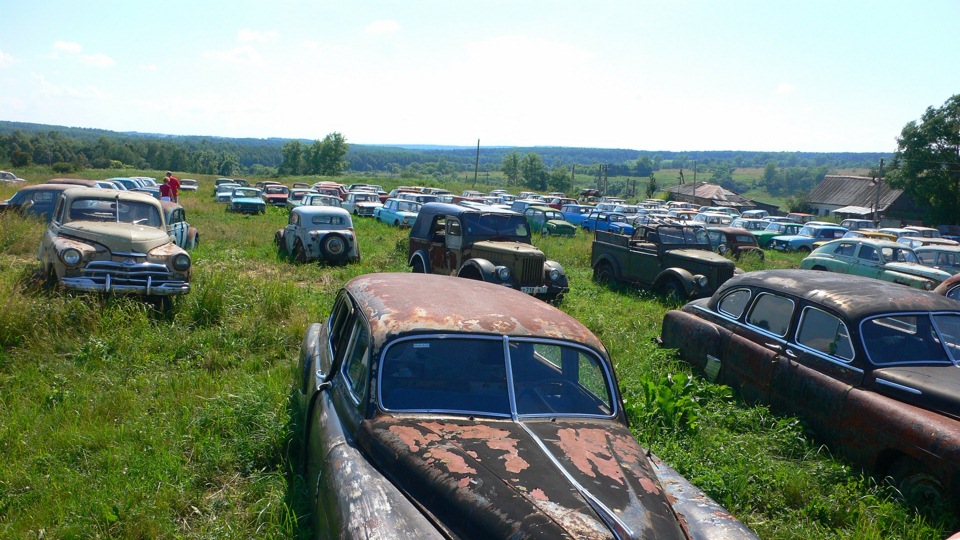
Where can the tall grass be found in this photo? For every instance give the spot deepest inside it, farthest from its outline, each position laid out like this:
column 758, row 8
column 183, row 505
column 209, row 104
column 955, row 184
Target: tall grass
column 119, row 422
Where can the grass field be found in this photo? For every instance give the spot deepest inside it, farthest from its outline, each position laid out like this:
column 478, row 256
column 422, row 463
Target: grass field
column 120, row 422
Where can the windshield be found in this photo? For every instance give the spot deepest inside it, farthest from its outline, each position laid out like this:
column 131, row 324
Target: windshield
column 470, row 375
column 912, row 338
column 898, row 255
column 117, row 211
column 246, row 192
column 507, row 226
column 683, row 235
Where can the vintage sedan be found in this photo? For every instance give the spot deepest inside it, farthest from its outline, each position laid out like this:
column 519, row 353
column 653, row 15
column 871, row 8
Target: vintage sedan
column 362, row 203
column 246, row 200
column 37, row 200
column 946, row 258
column 736, row 241
column 113, row 242
column 438, row 407
column 397, row 212
column 318, row 233
column 871, row 367
column 879, row 259
column 548, row 221
column 275, row 194
column 602, row 220
column 188, row 184
column 222, row 192
column 804, row 239
column 184, row 234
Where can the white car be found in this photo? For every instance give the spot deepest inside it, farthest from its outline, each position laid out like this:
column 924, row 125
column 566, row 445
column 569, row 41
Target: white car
column 188, row 184
column 10, row 178
column 361, row 203
column 318, row 233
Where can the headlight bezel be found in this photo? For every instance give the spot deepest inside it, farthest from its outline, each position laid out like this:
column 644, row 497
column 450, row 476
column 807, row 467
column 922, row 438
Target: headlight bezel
column 553, row 274
column 502, row 273
column 177, row 262
column 71, row 257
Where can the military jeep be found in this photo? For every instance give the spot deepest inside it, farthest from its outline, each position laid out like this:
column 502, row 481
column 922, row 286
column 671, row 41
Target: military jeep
column 483, row 243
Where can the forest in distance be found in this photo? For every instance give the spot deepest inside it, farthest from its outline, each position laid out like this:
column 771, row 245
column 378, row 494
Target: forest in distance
column 74, row 148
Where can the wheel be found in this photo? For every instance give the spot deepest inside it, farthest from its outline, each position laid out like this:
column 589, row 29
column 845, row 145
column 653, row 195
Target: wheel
column 334, row 247
column 418, row 266
column 355, row 212
column 193, row 241
column 803, row 249
column 545, row 232
column 916, row 483
column 672, row 289
column 299, row 253
column 604, row 274
column 281, row 244
column 396, row 223
column 50, row 281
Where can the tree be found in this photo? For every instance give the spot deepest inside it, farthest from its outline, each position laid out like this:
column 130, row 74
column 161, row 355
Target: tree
column 532, row 171
column 652, row 187
column 292, row 158
column 559, row 179
column 333, row 150
column 927, row 162
column 511, row 168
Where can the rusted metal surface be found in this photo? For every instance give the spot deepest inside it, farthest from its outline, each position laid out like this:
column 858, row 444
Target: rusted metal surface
column 543, row 479
column 458, row 305
column 875, row 415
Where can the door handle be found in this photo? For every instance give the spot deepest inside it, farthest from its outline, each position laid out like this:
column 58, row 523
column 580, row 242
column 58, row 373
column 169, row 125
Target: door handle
column 773, row 346
column 790, row 353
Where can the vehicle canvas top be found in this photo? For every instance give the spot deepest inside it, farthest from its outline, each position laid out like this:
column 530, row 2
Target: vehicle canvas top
column 477, row 224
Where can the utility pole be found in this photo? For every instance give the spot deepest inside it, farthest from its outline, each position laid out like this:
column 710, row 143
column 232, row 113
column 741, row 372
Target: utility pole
column 573, row 178
column 876, row 203
column 476, row 166
column 694, row 182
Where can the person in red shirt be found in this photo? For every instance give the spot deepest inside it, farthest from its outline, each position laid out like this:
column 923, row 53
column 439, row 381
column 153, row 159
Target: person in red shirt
column 174, row 186
column 165, row 190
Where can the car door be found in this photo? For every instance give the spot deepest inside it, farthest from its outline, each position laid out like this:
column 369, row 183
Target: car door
column 178, row 227
column 843, row 259
column 868, row 262
column 290, row 231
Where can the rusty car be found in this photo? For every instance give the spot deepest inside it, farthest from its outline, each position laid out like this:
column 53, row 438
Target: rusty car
column 486, row 244
column 439, row 407
column 871, row 367
column 109, row 241
column 318, row 233
column 878, row 259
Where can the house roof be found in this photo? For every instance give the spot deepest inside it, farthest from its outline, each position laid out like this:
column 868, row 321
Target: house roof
column 853, row 191
column 716, row 193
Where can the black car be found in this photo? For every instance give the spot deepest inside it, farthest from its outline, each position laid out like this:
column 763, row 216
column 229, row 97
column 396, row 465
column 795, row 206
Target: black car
column 872, row 367
column 37, row 200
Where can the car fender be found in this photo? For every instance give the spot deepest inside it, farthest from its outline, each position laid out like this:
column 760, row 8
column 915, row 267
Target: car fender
column 910, row 280
column 685, row 277
column 607, row 258
column 561, row 280
column 422, row 255
column 700, row 342
column 485, row 268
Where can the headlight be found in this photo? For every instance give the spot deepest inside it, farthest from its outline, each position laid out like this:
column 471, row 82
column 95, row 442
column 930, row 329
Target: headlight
column 927, row 286
column 70, row 257
column 554, row 274
column 722, row 249
column 181, row 262
column 503, row 273
column 701, row 281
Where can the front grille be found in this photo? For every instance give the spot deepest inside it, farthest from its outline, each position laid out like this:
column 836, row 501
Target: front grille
column 529, row 271
column 526, row 267
column 361, row 211
column 242, row 207
column 143, row 278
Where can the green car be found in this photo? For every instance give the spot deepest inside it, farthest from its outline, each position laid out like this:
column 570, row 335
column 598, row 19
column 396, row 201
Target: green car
column 879, row 259
column 775, row 229
column 548, row 221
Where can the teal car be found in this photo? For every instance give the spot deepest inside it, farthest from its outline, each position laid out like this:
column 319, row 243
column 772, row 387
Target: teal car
column 878, row 259
column 776, row 229
column 548, row 221
column 246, row 200
column 397, row 212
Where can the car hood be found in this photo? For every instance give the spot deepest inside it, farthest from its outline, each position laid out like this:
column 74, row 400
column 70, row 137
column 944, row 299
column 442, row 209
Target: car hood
column 793, row 238
column 939, row 387
column 540, row 479
column 506, row 246
column 700, row 255
column 117, row 236
column 280, row 196
column 917, row 270
column 247, row 200
column 559, row 223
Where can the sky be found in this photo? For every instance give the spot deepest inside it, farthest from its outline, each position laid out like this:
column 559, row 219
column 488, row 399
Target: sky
column 675, row 75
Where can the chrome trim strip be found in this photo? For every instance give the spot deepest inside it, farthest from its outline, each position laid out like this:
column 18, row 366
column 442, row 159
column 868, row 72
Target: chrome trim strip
column 892, row 384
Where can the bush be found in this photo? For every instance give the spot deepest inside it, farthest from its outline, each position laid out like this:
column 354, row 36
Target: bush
column 62, row 167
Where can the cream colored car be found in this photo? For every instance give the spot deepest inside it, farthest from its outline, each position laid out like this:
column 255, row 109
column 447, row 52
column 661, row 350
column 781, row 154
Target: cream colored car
column 110, row 241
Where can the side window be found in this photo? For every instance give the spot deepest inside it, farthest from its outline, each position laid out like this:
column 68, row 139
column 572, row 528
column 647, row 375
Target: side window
column 734, row 303
column 845, row 249
column 294, row 218
column 869, row 253
column 772, row 313
column 926, row 257
column 825, row 333
column 356, row 365
column 58, row 213
column 339, row 329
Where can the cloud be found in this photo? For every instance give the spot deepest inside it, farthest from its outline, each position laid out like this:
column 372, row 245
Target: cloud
column 70, row 47
column 247, row 35
column 383, row 27
column 98, row 60
column 6, row 60
column 239, row 55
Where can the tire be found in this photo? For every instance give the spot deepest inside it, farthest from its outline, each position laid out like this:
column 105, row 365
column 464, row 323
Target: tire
column 396, row 223
column 604, row 273
column 194, row 241
column 916, row 483
column 334, row 247
column 50, row 281
column 672, row 289
column 281, row 244
column 545, row 232
column 299, row 254
column 418, row 266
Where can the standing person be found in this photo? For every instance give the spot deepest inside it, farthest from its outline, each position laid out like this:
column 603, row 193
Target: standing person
column 174, row 186
column 165, row 190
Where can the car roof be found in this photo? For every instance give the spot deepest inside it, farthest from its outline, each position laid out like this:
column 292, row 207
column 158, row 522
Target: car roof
column 316, row 210
column 100, row 193
column 395, row 304
column 855, row 296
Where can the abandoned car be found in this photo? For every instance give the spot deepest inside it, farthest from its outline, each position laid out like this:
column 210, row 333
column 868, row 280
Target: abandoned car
column 486, row 244
column 548, row 221
column 102, row 240
column 870, row 366
column 184, row 234
column 318, row 233
column 438, row 407
column 246, row 200
column 879, row 259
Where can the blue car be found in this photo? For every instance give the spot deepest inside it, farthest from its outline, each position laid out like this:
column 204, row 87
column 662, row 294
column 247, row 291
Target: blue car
column 576, row 213
column 397, row 212
column 803, row 240
column 245, row 200
column 600, row 221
